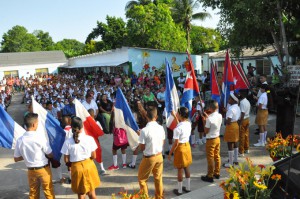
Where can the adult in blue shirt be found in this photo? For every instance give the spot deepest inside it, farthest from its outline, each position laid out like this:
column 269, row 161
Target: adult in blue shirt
column 69, row 109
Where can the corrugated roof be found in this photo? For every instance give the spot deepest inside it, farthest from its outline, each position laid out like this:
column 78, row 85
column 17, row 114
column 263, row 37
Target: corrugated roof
column 26, row 58
column 249, row 52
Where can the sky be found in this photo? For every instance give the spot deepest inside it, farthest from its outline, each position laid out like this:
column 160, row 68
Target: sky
column 70, row 19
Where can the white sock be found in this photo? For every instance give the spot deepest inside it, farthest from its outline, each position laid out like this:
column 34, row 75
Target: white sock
column 179, row 187
column 262, row 138
column 101, row 166
column 115, row 159
column 188, row 184
column 133, row 160
column 124, row 158
column 230, row 156
column 236, row 152
column 204, row 140
column 58, row 172
column 193, row 139
column 265, row 136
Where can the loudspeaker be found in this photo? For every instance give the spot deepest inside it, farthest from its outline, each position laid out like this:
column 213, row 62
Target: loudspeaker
column 293, row 180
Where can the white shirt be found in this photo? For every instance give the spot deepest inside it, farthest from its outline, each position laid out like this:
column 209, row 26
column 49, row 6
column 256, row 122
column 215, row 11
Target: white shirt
column 245, row 107
column 161, row 96
column 181, row 82
column 33, row 146
column 153, row 136
column 69, row 133
column 233, row 112
column 213, row 122
column 91, row 105
column 198, row 107
column 80, row 151
column 182, row 132
column 263, row 99
column 259, row 92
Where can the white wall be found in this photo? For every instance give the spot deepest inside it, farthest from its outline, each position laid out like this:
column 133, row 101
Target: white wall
column 27, row 70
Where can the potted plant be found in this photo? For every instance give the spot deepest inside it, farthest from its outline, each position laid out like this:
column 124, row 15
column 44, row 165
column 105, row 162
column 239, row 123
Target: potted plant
column 249, row 181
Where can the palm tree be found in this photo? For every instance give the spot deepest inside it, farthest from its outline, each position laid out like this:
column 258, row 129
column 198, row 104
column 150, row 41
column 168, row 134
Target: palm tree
column 182, row 12
column 131, row 4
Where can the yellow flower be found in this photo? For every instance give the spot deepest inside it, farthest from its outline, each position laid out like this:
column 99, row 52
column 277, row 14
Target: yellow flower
column 260, row 186
column 298, row 148
column 146, row 54
column 273, row 154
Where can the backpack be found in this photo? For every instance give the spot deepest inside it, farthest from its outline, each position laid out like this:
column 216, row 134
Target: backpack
column 120, row 137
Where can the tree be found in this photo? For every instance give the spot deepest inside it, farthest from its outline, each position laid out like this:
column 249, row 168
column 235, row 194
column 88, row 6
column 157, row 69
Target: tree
column 71, row 47
column 131, row 4
column 45, row 40
column 152, row 26
column 18, row 39
column 258, row 23
column 94, row 46
column 183, row 13
column 205, row 40
column 113, row 34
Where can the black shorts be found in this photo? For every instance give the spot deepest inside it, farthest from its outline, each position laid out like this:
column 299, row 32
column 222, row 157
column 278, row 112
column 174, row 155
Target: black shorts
column 169, row 134
column 114, row 147
column 200, row 125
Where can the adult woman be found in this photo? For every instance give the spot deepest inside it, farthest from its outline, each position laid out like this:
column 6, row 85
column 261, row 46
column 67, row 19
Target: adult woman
column 127, row 81
column 182, row 149
column 148, row 96
column 105, row 108
column 79, row 151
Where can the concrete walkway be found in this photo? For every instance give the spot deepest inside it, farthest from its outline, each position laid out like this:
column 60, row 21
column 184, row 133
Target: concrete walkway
column 13, row 176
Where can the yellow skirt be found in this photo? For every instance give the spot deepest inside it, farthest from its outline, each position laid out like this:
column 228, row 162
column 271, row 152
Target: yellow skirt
column 232, row 132
column 262, row 117
column 183, row 155
column 84, row 176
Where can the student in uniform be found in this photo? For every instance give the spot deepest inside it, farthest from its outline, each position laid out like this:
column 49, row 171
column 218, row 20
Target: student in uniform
column 244, row 123
column 213, row 121
column 262, row 116
column 182, row 149
column 231, row 135
column 34, row 149
column 151, row 141
column 79, row 152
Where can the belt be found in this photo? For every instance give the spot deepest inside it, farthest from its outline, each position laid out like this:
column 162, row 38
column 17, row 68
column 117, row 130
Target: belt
column 211, row 138
column 37, row 168
column 150, row 156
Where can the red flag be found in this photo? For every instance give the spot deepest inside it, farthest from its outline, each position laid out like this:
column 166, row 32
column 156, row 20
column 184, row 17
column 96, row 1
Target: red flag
column 239, row 81
column 215, row 92
column 239, row 67
column 227, row 80
column 90, row 126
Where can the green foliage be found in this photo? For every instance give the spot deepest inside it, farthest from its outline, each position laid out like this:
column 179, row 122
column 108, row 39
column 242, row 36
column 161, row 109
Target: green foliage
column 152, row 26
column 45, row 39
column 205, row 40
column 71, row 47
column 18, row 39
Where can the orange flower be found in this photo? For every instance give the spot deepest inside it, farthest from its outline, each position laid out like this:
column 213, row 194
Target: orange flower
column 276, row 177
column 298, row 148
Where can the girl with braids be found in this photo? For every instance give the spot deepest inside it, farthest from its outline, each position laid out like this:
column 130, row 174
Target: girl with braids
column 79, row 152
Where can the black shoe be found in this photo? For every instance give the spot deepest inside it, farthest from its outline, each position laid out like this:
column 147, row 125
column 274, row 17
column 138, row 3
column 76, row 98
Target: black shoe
column 207, row 179
column 164, row 156
column 235, row 163
column 217, row 176
column 257, row 129
column 131, row 166
column 221, row 136
column 185, row 190
column 167, row 152
column 256, row 133
column 175, row 191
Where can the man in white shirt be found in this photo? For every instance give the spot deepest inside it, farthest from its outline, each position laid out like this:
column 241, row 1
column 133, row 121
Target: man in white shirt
column 33, row 148
column 89, row 103
column 181, row 81
column 151, row 141
column 212, row 124
column 244, row 123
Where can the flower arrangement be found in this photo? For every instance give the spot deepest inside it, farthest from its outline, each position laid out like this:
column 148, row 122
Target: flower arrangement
column 125, row 195
column 249, row 181
column 279, row 147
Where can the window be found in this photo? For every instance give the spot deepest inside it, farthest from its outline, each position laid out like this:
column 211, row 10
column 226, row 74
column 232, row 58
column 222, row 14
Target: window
column 263, row 67
column 221, row 65
column 41, row 71
column 12, row 73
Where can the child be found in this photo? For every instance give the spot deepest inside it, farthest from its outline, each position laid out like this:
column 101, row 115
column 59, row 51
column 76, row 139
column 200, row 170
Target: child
column 202, row 138
column 92, row 114
column 195, row 118
column 66, row 122
column 118, row 144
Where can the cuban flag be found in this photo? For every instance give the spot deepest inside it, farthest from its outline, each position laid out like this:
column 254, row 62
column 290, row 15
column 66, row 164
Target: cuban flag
column 228, row 81
column 171, row 96
column 10, row 130
column 239, row 78
column 191, row 88
column 214, row 87
column 90, row 126
column 124, row 119
column 50, row 127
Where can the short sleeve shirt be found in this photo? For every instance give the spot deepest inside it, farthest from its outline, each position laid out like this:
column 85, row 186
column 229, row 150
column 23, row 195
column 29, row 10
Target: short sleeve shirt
column 33, row 146
column 80, row 151
column 245, row 107
column 234, row 113
column 263, row 99
column 153, row 136
column 213, row 122
column 182, row 132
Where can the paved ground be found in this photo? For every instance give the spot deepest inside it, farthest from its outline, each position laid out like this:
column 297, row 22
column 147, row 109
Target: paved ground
column 14, row 181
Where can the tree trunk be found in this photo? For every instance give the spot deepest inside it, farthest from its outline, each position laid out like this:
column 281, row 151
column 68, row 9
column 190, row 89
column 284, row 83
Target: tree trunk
column 278, row 48
column 284, row 40
column 188, row 38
